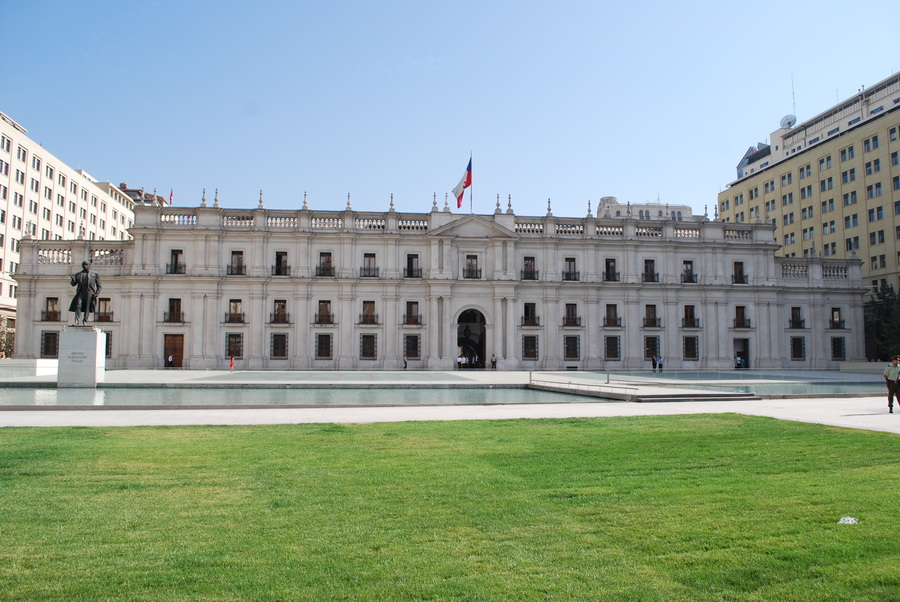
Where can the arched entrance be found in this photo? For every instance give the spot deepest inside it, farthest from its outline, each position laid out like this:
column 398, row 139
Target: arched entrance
column 470, row 337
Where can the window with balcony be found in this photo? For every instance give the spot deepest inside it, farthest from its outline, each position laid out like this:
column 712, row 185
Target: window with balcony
column 796, row 319
column 324, row 315
column 837, row 321
column 650, row 274
column 412, row 316
column 51, row 311
column 368, row 269
column 279, row 350
column 687, row 272
column 281, row 267
column 529, row 269
column 174, row 314
column 571, row 317
column 651, row 320
column 325, row 267
column 738, row 276
column 612, row 318
column 237, row 267
column 279, row 312
column 570, row 273
column 610, row 274
column 368, row 315
column 529, row 315
column 412, row 269
column 740, row 317
column 235, row 314
column 690, row 319
column 104, row 310
column 471, row 269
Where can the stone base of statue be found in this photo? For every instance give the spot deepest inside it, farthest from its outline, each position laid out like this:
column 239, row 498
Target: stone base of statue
column 82, row 357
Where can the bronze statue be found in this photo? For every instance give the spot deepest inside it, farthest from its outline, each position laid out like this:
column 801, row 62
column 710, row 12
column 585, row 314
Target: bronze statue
column 87, row 288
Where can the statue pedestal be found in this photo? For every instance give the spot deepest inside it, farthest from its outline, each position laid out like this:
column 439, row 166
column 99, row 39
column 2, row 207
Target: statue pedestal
column 82, row 357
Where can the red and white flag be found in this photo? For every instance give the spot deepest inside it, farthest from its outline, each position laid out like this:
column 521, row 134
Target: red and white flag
column 464, row 183
column 171, row 192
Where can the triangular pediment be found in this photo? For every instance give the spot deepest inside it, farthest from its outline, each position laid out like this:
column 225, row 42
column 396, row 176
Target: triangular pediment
column 474, row 226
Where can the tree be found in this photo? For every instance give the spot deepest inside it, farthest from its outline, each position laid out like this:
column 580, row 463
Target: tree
column 7, row 337
column 883, row 323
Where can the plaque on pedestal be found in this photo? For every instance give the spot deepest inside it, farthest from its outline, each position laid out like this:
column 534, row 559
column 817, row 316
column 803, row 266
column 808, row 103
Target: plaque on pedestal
column 82, row 356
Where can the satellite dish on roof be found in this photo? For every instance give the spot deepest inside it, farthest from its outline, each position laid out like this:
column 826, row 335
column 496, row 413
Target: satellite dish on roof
column 788, row 121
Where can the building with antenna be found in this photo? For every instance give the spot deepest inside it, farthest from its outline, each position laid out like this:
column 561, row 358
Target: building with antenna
column 830, row 184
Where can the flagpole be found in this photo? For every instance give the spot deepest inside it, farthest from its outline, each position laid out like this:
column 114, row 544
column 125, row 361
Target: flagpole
column 471, row 186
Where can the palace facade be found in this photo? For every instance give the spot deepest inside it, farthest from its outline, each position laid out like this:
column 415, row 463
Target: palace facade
column 346, row 290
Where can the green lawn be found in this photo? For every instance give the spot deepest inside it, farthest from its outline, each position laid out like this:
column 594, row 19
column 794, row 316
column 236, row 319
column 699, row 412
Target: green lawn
column 719, row 507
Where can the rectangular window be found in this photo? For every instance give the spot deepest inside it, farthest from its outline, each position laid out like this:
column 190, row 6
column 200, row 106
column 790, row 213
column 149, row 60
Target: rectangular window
column 412, row 267
column 613, row 348
column 572, row 348
column 529, row 271
column 650, row 319
column 691, row 348
column 367, row 346
column 369, row 269
column 280, row 312
column 411, row 347
column 611, row 275
column 324, row 315
column 174, row 314
column 571, row 317
column 236, row 267
column 279, row 346
column 325, row 267
column 368, row 315
column 570, row 273
column 612, row 315
column 529, row 315
column 235, row 313
column 651, row 347
column 50, row 343
column 281, row 267
column 234, row 345
column 412, row 313
column 798, row 348
column 838, row 349
column 472, row 270
column 529, row 347
column 323, row 346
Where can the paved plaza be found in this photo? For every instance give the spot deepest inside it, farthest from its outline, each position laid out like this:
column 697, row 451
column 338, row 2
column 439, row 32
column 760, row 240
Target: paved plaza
column 852, row 411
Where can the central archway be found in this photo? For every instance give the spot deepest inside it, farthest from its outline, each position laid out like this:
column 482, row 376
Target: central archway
column 470, row 338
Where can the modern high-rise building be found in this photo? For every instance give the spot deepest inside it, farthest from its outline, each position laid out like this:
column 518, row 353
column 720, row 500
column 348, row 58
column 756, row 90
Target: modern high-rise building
column 42, row 197
column 830, row 185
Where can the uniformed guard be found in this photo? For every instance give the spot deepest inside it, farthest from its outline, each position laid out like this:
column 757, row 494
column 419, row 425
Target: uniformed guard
column 892, row 378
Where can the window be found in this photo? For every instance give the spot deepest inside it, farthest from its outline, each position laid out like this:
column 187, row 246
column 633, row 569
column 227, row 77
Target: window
column 739, row 277
column 851, row 221
column 691, row 349
column 571, row 316
column 847, row 153
column 237, row 267
column 104, row 310
column 324, row 315
column 528, row 269
column 50, row 343
column 613, row 348
column 650, row 319
column 281, row 267
column 826, row 184
column 798, row 348
column 529, row 315
column 412, row 268
column 235, row 314
column 612, row 316
column 870, row 144
column 838, row 349
column 412, row 347
column 529, row 347
column 651, row 347
column 650, row 274
column 805, row 171
column 279, row 346
column 610, row 274
column 279, row 312
column 796, row 320
column 368, row 315
column 848, row 176
column 367, row 346
column 325, row 267
column 234, row 345
column 369, row 269
column 849, row 198
column 571, row 348
column 740, row 317
column 412, row 313
column 51, row 310
column 471, row 270
column 174, row 314
column 873, row 167
column 323, row 346
column 690, row 319
column 176, row 265
column 569, row 270
column 825, row 163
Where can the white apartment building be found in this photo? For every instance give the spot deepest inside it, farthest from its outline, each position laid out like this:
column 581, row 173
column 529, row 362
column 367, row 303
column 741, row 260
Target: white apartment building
column 346, row 290
column 42, row 197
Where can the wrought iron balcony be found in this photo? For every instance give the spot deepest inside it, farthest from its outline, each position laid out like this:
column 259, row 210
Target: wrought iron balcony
column 610, row 276
column 325, row 270
column 571, row 321
column 412, row 272
column 796, row 324
column 368, row 272
column 50, row 316
column 531, row 320
column 742, row 323
column 530, row 274
column 472, row 273
column 652, row 322
column 323, row 318
column 236, row 269
column 280, row 317
column 650, row 277
column 571, row 276
column 612, row 322
column 690, row 322
column 688, row 278
column 175, row 268
column 739, row 279
column 234, row 317
column 413, row 320
column 836, row 324
column 281, row 270
column 103, row 316
column 173, row 316
column 368, row 318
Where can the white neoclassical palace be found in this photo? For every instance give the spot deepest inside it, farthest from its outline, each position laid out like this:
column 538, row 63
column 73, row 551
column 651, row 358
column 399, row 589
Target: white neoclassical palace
column 345, row 290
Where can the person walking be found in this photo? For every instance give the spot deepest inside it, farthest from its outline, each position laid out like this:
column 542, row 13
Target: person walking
column 891, row 378
column 231, row 364
column 653, row 363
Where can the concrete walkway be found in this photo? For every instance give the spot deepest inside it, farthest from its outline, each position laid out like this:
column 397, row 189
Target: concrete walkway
column 868, row 413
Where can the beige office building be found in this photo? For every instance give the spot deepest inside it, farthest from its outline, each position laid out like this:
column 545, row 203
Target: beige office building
column 830, row 185
column 42, row 197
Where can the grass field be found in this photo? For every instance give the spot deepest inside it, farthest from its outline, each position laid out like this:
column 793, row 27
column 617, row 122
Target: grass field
column 719, row 507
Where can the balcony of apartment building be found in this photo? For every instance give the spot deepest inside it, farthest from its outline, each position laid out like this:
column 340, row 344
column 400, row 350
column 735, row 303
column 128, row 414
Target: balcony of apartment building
column 234, row 317
column 279, row 317
column 742, row 323
column 51, row 316
column 171, row 317
column 690, row 322
column 323, row 318
column 368, row 319
column 531, row 321
column 413, row 320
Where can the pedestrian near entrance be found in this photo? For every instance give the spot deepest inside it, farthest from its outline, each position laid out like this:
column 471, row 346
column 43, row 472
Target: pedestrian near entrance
column 659, row 364
column 405, row 361
column 891, row 378
column 653, row 363
column 493, row 362
column 171, row 361
column 231, row 364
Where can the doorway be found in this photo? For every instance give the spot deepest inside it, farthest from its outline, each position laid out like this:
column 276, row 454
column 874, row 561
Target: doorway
column 741, row 354
column 470, row 338
column 174, row 348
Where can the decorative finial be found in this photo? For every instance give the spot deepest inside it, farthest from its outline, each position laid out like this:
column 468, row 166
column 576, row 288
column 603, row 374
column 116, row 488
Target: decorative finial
column 509, row 210
column 349, row 208
column 392, row 203
column 589, row 209
column 260, row 200
column 497, row 210
column 434, row 206
column 203, row 200
column 706, row 212
column 716, row 212
column 628, row 209
column 549, row 213
column 216, row 200
column 305, row 204
column 446, row 203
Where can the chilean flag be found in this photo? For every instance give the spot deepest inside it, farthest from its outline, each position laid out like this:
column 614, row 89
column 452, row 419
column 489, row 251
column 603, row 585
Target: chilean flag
column 464, row 183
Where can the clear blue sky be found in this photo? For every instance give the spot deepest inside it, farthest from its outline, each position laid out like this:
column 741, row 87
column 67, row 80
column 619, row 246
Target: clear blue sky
column 570, row 101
